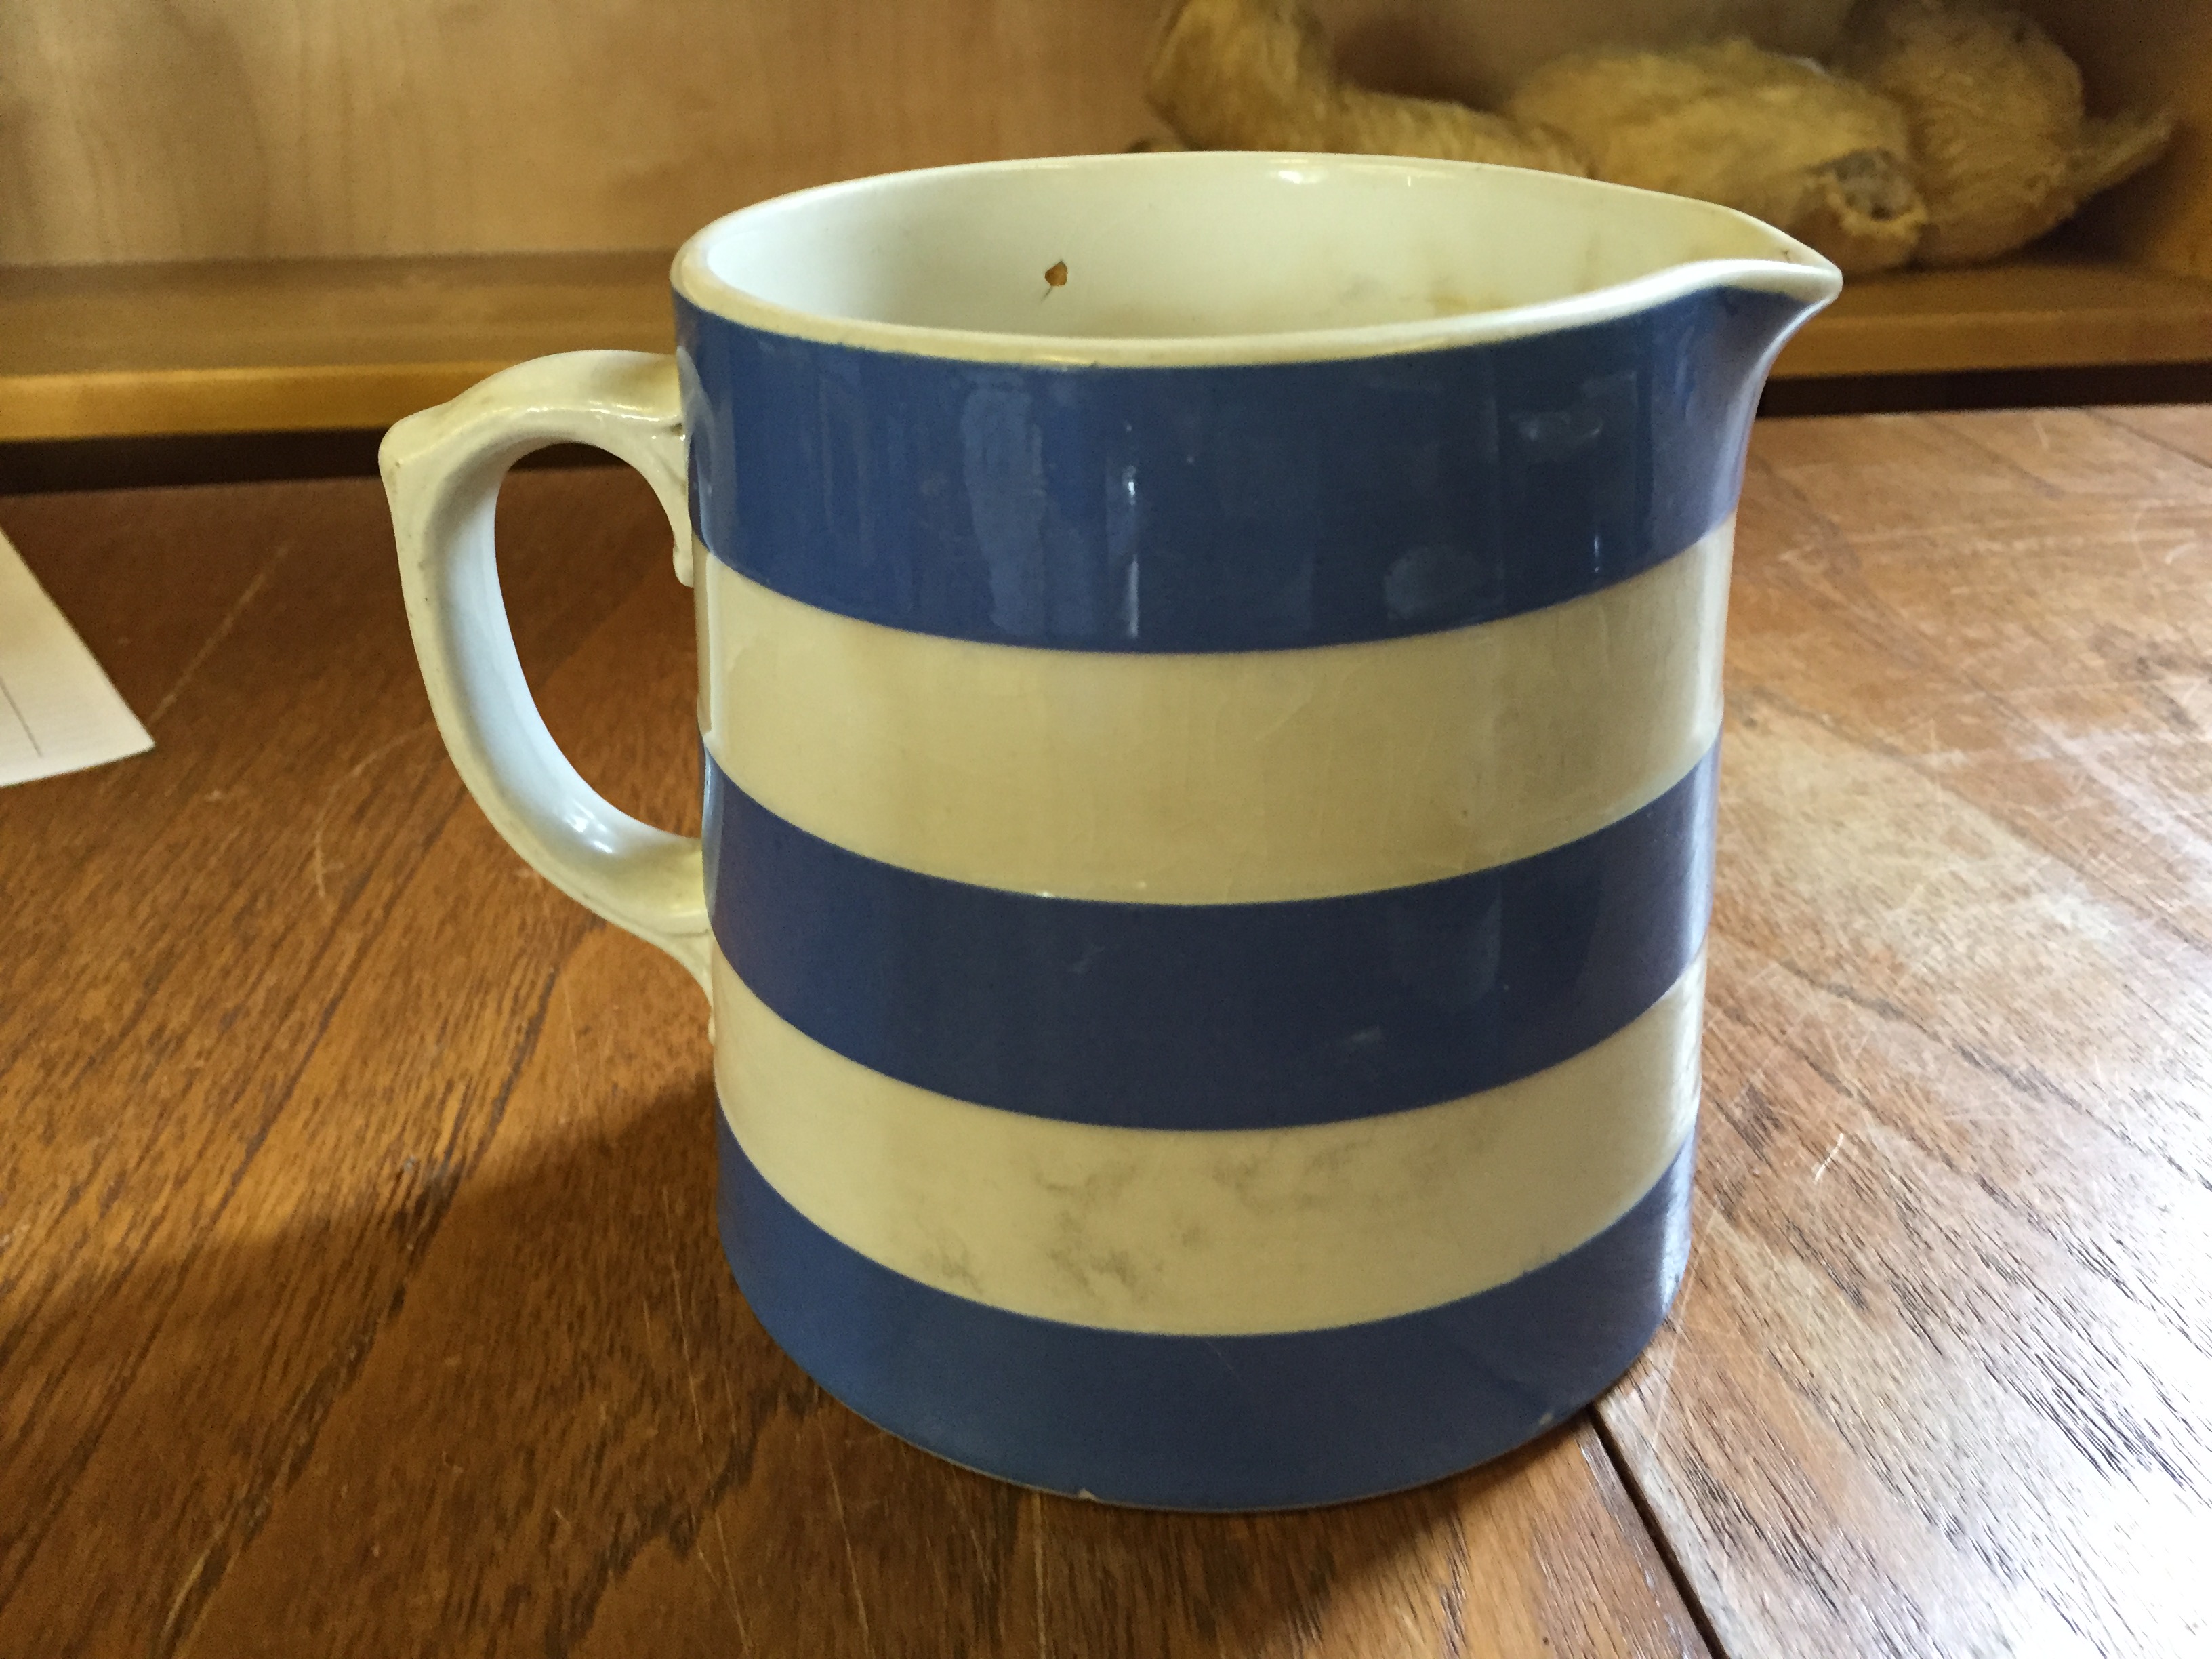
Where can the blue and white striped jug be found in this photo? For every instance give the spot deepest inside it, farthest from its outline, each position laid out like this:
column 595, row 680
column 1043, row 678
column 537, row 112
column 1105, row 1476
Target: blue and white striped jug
column 1209, row 681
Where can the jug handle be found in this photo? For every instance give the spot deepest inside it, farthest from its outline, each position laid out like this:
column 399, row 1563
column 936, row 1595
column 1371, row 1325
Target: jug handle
column 442, row 470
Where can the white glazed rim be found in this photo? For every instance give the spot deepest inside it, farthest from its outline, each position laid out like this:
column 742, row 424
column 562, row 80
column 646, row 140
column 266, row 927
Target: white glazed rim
column 1792, row 270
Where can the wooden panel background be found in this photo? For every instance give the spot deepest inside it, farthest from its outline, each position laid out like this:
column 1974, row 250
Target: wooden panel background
column 173, row 130
column 2148, row 52
column 159, row 129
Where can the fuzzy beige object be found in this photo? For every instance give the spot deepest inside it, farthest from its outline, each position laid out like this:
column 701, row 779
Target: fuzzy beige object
column 2001, row 146
column 1258, row 74
column 1811, row 153
column 1476, row 52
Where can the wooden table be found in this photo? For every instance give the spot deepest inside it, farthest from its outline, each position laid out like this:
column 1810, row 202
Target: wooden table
column 358, row 1288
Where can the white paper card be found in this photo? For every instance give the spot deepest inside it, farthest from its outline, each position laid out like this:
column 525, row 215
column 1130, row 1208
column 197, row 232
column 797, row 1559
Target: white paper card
column 58, row 711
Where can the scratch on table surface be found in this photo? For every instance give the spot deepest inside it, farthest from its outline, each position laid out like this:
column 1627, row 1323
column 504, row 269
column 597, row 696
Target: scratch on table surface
column 1451, row 1594
column 1869, row 1024
column 975, row 1534
column 222, row 631
column 568, row 1010
column 684, row 1345
column 190, row 1583
column 699, row 1422
column 331, row 795
column 2187, row 544
column 1037, row 1556
column 730, row 1586
column 1661, row 1389
column 683, row 1325
column 1822, row 1168
column 845, row 1534
column 1846, row 1063
column 1776, row 1046
column 2135, row 537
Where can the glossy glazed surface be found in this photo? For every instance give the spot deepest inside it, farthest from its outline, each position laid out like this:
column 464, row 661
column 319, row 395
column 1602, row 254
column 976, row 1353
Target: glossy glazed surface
column 1213, row 1016
column 1209, row 799
column 1219, row 778
column 1208, row 258
column 1207, row 1422
column 1245, row 507
column 1217, row 1231
column 1209, row 784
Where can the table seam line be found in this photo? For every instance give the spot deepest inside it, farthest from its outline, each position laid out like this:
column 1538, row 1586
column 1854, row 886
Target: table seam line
column 1670, row 1557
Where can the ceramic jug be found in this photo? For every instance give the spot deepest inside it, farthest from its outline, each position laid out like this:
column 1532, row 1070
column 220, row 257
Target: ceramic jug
column 1209, row 696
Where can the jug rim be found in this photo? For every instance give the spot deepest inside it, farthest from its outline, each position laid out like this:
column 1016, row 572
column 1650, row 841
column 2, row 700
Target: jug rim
column 1785, row 267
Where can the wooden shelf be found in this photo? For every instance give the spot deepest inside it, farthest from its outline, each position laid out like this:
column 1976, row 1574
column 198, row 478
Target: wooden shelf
column 296, row 345
column 2042, row 313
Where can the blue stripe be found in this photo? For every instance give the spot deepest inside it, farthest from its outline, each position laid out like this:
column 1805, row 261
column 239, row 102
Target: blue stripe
column 1207, row 1423
column 1228, row 509
column 1212, row 1017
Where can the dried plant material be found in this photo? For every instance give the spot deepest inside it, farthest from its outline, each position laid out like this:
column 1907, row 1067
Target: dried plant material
column 1946, row 131
column 1811, row 153
column 1258, row 74
column 1478, row 51
column 2000, row 140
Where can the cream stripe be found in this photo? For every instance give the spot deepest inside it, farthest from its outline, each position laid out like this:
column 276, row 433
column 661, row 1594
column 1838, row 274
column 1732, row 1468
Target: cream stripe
column 1216, row 778
column 1211, row 1232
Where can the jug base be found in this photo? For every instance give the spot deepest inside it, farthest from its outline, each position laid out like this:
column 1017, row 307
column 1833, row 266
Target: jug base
column 1280, row 1421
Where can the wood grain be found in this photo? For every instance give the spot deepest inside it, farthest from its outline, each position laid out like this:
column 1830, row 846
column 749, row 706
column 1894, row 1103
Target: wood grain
column 301, row 345
column 359, row 1292
column 2181, row 428
column 2147, row 54
column 1937, row 1380
column 2050, row 311
column 141, row 130
column 373, row 208
column 358, row 1286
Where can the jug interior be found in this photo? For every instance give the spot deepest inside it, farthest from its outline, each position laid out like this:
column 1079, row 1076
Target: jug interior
column 1178, row 246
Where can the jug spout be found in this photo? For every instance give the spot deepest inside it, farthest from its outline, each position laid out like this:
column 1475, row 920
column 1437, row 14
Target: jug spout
column 1774, row 297
column 1736, row 316
column 1718, row 292
column 1624, row 410
column 1776, row 283
column 1748, row 309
